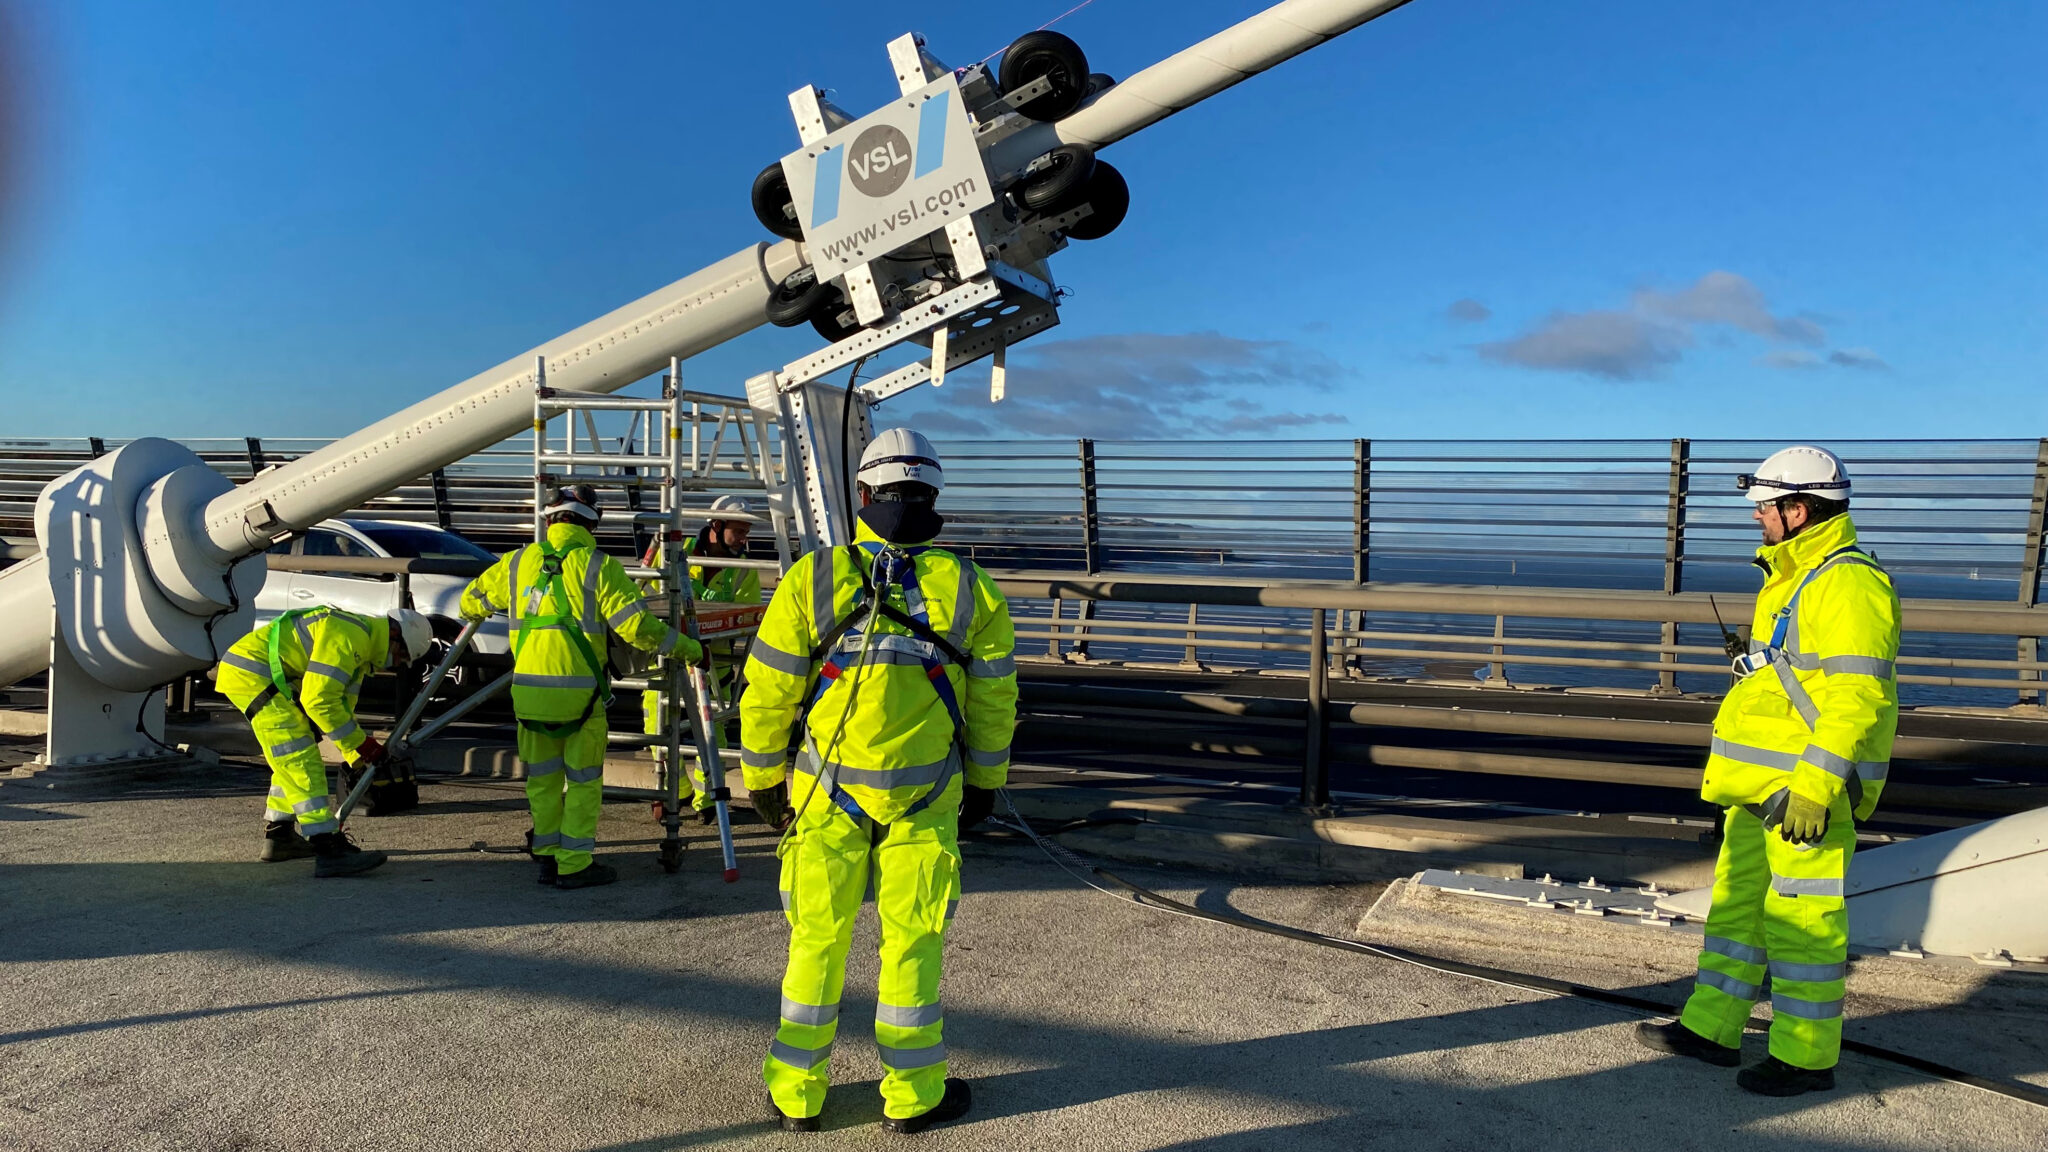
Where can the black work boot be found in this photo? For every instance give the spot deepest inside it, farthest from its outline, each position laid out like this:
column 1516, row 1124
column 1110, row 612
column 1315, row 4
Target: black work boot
column 337, row 856
column 790, row 1123
column 589, row 877
column 549, row 870
column 1774, row 1077
column 281, row 841
column 707, row 816
column 952, row 1106
column 1679, row 1040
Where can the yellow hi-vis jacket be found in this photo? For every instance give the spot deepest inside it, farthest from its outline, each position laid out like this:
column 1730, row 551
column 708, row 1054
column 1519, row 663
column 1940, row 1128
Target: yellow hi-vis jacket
column 553, row 682
column 1820, row 718
column 726, row 585
column 881, row 728
column 327, row 654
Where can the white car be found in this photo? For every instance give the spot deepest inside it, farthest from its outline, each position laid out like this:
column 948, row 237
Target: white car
column 438, row 597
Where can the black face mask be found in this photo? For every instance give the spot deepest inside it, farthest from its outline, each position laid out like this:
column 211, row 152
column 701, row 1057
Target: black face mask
column 902, row 521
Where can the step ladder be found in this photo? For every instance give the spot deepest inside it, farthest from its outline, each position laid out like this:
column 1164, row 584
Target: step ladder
column 665, row 452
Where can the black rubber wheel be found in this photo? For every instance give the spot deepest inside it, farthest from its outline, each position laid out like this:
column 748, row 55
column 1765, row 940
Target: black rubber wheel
column 1060, row 185
column 1110, row 197
column 773, row 206
column 1098, row 83
column 1056, row 58
column 826, row 318
column 795, row 299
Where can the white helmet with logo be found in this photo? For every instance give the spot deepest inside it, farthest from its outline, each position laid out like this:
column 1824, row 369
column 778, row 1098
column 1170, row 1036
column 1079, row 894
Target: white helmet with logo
column 1790, row 471
column 413, row 632
column 898, row 455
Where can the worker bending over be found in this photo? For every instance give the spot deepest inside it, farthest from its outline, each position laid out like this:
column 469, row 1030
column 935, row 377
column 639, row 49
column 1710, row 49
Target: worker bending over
column 563, row 593
column 297, row 679
column 903, row 651
column 1801, row 745
column 710, row 584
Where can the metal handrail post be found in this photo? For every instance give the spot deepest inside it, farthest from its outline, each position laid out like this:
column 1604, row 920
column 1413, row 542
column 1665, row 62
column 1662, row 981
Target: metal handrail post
column 2030, row 567
column 1679, row 485
column 1315, row 765
column 1091, row 543
column 1193, row 658
column 1052, row 646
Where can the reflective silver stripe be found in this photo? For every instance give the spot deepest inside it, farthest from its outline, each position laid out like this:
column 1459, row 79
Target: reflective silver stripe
column 752, row 759
column 1828, row 762
column 306, row 632
column 1873, row 771
column 319, row 828
column 919, row 1016
column 578, row 843
column 316, row 804
column 880, row 778
column 317, row 668
column 800, row 1013
column 593, row 566
column 1723, row 982
column 997, row 668
column 291, row 746
column 822, row 615
column 1736, row 950
column 904, row 1059
column 246, row 664
column 619, row 618
column 785, row 662
column 1806, row 886
column 276, row 793
column 349, row 729
column 1789, row 680
column 963, row 606
column 1749, row 754
column 586, row 775
column 547, row 840
column 1811, row 973
column 995, row 759
column 1858, row 666
column 879, row 656
column 546, row 768
column 784, row 893
column 669, row 640
column 952, row 906
column 856, row 640
column 531, row 680
column 1785, row 1005
column 796, row 1057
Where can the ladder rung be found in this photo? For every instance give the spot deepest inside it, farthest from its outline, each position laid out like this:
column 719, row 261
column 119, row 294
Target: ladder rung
column 558, row 479
column 603, row 460
column 583, row 401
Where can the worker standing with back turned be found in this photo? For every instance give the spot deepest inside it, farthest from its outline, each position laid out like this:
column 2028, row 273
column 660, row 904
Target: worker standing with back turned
column 904, row 653
column 297, row 679
column 563, row 594
column 1800, row 751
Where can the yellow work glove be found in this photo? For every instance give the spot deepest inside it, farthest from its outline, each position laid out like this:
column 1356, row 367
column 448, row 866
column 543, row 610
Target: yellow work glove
column 475, row 613
column 689, row 650
column 1805, row 822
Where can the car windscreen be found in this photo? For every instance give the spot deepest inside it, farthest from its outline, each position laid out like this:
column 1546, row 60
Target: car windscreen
column 423, row 543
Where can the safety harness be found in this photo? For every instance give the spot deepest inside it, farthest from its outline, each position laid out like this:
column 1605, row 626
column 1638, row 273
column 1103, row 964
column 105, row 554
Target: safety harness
column 893, row 565
column 1780, row 656
column 550, row 583
column 280, row 686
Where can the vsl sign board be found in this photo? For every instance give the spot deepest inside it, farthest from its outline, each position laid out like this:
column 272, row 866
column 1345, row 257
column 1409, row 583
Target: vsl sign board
column 903, row 171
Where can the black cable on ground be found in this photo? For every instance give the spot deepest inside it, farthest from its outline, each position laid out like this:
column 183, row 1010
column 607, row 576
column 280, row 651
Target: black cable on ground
column 2026, row 1093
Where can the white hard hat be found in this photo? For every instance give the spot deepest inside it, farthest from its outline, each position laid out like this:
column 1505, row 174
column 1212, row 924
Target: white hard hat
column 576, row 499
column 731, row 503
column 897, row 455
column 414, row 632
column 1800, row 468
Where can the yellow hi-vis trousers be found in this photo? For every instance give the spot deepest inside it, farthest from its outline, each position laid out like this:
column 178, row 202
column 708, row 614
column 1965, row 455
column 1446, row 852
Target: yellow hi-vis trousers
column 298, row 778
column 826, row 863
column 565, row 789
column 1778, row 911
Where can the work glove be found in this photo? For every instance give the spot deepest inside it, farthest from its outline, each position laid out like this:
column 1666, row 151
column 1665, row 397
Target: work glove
column 771, row 804
column 474, row 611
column 369, row 751
column 1805, row 821
column 975, row 805
column 688, row 650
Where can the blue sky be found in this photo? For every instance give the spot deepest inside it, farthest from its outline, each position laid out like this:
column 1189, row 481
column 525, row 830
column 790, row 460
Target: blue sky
column 1468, row 219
